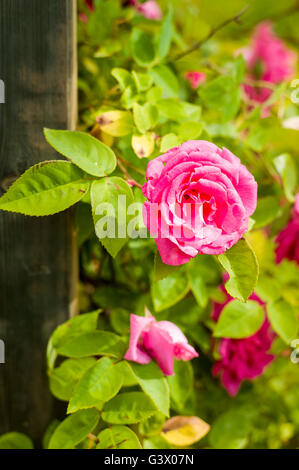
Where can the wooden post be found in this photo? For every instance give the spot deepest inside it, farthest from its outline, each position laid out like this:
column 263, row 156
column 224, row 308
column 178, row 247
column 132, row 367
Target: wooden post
column 38, row 257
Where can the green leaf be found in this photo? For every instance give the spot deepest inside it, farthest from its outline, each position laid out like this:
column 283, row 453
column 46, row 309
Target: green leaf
column 142, row 46
column 190, row 130
column 238, row 69
column 199, row 290
column 111, row 196
column 142, row 80
column 162, row 270
column 164, row 78
column 283, row 320
column 99, row 384
column 84, row 222
column 239, row 319
column 45, row 189
column 97, row 343
column 268, row 208
column 118, row 437
column 230, row 430
column 286, row 167
column 145, row 116
column 15, row 440
column 170, row 290
column 85, row 151
column 156, row 442
column 128, row 408
column 64, row 378
column 153, row 383
column 222, row 94
column 74, row 429
column 166, row 34
column 68, row 330
column 169, row 141
column 152, row 425
column 172, row 109
column 241, row 264
column 180, row 385
column 123, row 77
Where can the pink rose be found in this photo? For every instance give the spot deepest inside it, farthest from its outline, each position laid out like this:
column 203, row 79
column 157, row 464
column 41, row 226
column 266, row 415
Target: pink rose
column 195, row 78
column 242, row 359
column 288, row 239
column 149, row 9
column 268, row 59
column 200, row 199
column 90, row 5
column 82, row 15
column 162, row 341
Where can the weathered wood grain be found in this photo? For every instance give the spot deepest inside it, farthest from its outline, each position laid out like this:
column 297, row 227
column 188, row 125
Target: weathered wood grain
column 38, row 266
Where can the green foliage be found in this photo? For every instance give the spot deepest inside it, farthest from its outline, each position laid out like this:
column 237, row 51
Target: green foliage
column 170, row 290
column 74, row 429
column 15, row 440
column 239, row 320
column 111, row 230
column 88, row 153
column 45, row 189
column 283, row 319
column 241, row 264
column 99, row 384
column 154, row 384
column 118, row 437
column 128, row 408
column 134, row 105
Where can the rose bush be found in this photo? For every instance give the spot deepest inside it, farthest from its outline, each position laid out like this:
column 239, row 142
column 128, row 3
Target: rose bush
column 191, row 150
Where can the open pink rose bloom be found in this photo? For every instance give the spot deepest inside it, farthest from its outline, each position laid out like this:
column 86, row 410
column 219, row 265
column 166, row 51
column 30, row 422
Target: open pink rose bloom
column 162, row 341
column 242, row 359
column 288, row 239
column 200, row 198
column 268, row 59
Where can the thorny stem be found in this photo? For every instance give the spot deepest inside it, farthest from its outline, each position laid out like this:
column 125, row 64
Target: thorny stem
column 213, row 31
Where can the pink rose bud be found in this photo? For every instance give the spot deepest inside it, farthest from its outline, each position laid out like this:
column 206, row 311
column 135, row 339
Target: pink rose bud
column 149, row 9
column 195, row 78
column 288, row 239
column 162, row 341
column 269, row 60
column 200, row 198
column 242, row 359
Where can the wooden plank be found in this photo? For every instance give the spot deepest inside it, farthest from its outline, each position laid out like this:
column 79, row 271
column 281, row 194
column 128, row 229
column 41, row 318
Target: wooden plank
column 38, row 261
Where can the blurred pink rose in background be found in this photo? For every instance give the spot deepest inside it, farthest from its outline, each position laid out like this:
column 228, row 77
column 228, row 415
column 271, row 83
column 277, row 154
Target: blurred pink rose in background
column 242, row 359
column 200, row 199
column 288, row 239
column 162, row 341
column 268, row 59
column 82, row 15
column 149, row 9
column 195, row 78
column 89, row 4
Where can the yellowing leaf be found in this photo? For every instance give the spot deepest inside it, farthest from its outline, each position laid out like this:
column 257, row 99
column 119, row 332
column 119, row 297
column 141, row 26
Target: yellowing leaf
column 116, row 123
column 143, row 145
column 182, row 431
